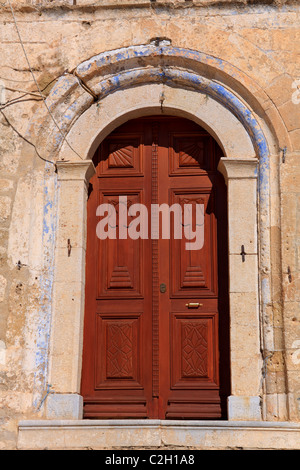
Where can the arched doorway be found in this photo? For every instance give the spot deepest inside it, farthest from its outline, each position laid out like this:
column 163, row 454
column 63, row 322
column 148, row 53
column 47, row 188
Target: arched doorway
column 231, row 111
column 156, row 335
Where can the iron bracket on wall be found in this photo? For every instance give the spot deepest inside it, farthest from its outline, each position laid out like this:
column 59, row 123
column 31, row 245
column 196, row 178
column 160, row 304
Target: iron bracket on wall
column 69, row 247
column 243, row 253
column 284, row 150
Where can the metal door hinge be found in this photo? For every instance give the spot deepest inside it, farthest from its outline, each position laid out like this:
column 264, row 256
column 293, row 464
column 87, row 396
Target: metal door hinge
column 243, row 253
column 283, row 154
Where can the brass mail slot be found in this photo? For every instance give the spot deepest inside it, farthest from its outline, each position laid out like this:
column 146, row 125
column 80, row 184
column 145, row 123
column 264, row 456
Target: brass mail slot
column 193, row 305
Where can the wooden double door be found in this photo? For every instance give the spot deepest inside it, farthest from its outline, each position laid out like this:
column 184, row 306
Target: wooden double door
column 156, row 313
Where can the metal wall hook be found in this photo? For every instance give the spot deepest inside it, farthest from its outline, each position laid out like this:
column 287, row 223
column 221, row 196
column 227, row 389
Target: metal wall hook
column 69, row 247
column 243, row 253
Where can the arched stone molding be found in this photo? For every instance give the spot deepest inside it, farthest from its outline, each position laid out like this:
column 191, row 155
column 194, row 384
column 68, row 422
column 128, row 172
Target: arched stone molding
column 158, row 62
column 116, row 108
column 135, row 89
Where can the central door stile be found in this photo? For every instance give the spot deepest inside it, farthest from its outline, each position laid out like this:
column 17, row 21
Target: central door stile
column 155, row 263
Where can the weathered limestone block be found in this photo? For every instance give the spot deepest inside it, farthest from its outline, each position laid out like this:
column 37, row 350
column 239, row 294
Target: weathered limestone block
column 66, row 406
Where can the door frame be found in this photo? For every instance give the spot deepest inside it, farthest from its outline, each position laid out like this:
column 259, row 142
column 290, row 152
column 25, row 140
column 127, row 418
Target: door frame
column 245, row 141
column 241, row 178
column 216, row 385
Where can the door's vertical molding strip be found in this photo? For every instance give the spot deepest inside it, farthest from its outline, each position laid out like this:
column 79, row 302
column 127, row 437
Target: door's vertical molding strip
column 155, row 272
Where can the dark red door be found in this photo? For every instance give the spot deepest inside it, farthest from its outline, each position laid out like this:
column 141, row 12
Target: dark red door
column 156, row 318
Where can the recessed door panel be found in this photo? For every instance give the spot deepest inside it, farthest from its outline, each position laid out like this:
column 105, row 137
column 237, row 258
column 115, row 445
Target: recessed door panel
column 190, row 154
column 193, row 351
column 122, row 155
column 120, row 260
column 193, row 257
column 118, row 351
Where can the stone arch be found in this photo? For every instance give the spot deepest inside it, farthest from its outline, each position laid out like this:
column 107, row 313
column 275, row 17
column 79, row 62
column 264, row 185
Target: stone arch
column 116, row 70
column 129, row 83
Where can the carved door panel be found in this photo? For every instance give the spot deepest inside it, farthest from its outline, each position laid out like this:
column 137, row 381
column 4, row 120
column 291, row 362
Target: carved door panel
column 151, row 335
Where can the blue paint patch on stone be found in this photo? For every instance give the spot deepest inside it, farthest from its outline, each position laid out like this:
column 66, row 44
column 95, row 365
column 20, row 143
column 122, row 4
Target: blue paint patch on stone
column 43, row 320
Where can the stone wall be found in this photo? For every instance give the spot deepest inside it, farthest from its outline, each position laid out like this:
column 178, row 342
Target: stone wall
column 260, row 40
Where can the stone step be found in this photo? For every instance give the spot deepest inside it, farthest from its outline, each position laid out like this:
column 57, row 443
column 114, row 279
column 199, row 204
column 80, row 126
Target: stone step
column 162, row 434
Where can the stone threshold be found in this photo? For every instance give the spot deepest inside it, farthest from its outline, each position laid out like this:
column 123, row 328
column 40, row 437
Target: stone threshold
column 143, row 434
